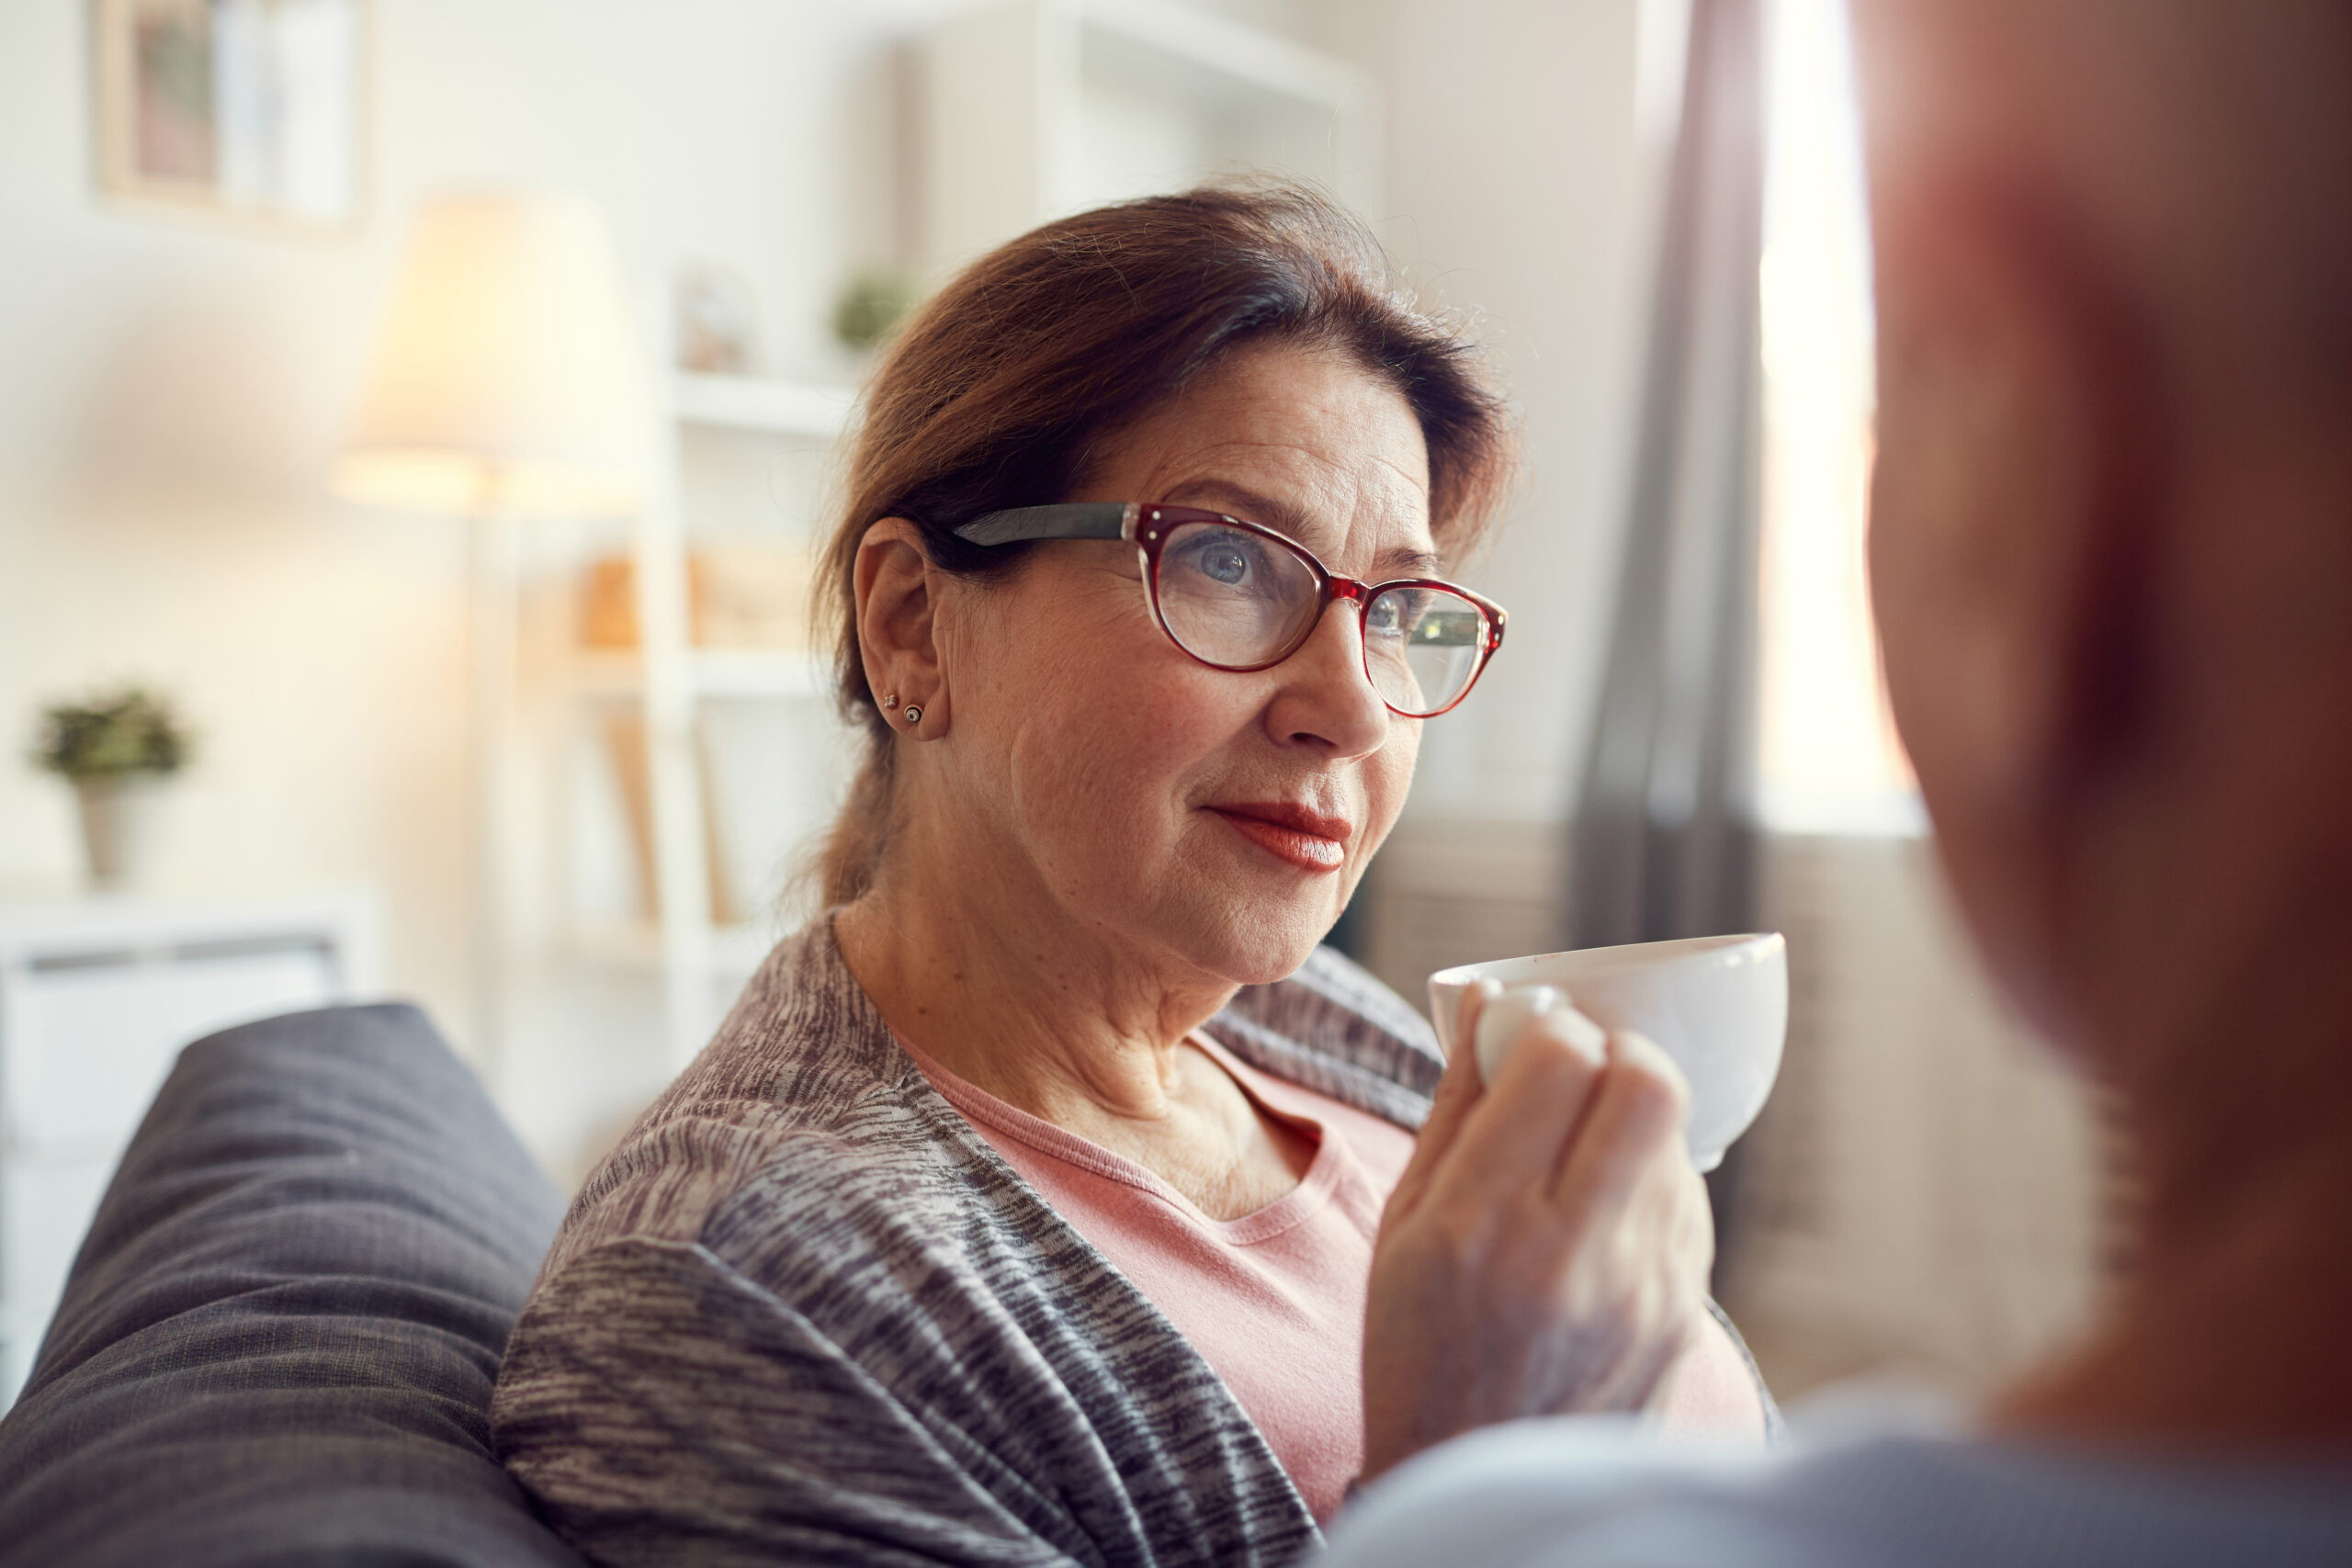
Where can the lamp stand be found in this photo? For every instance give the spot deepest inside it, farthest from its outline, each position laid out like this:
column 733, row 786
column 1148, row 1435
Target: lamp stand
column 490, row 559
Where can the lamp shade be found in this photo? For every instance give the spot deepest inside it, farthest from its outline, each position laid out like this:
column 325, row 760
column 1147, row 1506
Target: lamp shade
column 507, row 375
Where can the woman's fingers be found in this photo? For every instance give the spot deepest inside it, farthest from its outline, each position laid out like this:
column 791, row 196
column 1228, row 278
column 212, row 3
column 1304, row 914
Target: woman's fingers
column 1624, row 1186
column 1457, row 1092
column 1639, row 1104
column 1510, row 1141
column 1551, row 1252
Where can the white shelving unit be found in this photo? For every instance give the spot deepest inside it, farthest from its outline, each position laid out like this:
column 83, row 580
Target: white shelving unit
column 757, row 403
column 673, row 681
column 710, row 673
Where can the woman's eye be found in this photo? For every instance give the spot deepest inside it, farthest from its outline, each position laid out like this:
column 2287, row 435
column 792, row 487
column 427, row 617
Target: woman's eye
column 1228, row 562
column 1225, row 564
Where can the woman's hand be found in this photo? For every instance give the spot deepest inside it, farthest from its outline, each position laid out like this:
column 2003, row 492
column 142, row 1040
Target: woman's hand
column 1545, row 1252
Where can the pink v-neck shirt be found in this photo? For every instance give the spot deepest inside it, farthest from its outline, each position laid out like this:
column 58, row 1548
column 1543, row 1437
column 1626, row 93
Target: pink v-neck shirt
column 1274, row 1300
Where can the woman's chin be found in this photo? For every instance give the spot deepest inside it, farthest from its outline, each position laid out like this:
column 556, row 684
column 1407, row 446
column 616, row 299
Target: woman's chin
column 1225, row 907
column 1266, row 940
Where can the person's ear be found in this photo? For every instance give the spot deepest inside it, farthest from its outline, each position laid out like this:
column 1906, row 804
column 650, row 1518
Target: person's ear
column 1998, row 574
column 896, row 590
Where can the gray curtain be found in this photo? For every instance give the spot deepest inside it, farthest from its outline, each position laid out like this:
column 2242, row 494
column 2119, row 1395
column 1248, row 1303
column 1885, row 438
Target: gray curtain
column 1663, row 836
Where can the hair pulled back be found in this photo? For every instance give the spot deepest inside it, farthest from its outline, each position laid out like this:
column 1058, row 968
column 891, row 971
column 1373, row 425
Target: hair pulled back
column 1003, row 387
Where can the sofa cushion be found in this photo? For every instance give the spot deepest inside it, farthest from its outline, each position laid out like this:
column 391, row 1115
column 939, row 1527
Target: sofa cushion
column 278, row 1341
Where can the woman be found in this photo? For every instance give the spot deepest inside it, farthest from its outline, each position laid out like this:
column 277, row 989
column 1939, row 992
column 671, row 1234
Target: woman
column 970, row 1238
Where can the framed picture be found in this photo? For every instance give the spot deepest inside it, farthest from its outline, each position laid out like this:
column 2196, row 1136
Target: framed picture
column 250, row 111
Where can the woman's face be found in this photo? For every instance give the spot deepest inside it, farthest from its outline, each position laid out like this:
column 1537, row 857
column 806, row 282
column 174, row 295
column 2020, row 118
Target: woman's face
column 1215, row 820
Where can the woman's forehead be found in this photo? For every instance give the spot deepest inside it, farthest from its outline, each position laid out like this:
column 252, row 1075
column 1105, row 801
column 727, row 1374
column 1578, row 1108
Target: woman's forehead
column 1301, row 440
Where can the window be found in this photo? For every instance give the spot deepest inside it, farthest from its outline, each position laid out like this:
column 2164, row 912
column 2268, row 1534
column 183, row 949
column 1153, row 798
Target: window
column 1830, row 760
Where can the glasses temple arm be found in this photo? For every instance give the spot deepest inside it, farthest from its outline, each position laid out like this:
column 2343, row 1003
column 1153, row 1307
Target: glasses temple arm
column 1071, row 520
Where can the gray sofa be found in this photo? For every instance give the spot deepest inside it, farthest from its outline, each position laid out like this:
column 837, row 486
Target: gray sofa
column 278, row 1343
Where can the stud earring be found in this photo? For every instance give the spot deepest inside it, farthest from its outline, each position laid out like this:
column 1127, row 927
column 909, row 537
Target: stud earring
column 914, row 715
column 891, row 701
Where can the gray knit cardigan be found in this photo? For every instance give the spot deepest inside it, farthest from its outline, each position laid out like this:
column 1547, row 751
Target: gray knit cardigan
column 805, row 1313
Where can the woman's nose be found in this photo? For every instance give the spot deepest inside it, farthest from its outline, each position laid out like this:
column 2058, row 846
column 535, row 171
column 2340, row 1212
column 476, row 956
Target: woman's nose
column 1324, row 699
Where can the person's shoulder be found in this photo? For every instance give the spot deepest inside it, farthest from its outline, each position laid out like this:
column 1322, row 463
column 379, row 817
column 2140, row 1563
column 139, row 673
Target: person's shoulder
column 799, row 1090
column 1607, row 1493
column 1588, row 1491
column 1335, row 1028
column 757, row 1212
column 803, row 1037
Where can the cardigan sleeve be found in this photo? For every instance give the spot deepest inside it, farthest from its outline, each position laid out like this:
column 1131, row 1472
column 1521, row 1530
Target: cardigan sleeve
column 662, row 1408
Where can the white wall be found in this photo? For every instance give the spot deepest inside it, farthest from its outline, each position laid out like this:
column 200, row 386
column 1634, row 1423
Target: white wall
column 1518, row 188
column 170, row 395
column 1522, row 183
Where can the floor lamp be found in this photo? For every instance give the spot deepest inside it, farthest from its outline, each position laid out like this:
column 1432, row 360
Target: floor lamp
column 507, row 383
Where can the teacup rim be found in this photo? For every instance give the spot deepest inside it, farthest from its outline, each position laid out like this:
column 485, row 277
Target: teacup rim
column 1598, row 958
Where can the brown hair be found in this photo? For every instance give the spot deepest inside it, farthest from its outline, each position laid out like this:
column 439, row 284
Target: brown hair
column 1002, row 389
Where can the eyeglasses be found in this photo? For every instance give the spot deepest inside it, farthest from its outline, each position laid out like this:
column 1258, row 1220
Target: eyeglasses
column 1237, row 596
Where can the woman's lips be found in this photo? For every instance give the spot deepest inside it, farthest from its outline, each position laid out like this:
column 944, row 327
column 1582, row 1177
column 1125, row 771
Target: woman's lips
column 1306, row 839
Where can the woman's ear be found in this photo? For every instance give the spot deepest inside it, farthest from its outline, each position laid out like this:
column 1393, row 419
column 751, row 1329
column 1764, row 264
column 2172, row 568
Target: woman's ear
column 896, row 591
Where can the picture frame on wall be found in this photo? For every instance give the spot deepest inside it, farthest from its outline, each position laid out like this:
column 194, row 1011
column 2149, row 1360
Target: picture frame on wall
column 249, row 112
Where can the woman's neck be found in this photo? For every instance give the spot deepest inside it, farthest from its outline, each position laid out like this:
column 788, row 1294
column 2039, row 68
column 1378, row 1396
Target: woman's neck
column 1072, row 1027
column 1021, row 1001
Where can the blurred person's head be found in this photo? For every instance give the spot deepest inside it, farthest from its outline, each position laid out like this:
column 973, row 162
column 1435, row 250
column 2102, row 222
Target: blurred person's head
column 1032, row 724
column 2111, row 548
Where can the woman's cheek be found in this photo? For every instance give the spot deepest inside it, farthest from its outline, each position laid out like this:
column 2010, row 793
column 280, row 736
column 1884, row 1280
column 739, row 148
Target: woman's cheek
column 1388, row 777
column 1122, row 762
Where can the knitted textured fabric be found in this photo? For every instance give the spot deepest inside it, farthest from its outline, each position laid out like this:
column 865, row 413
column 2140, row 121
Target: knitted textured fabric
column 805, row 1313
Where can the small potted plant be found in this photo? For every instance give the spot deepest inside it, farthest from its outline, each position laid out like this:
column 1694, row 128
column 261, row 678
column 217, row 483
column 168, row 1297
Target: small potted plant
column 870, row 308
column 114, row 749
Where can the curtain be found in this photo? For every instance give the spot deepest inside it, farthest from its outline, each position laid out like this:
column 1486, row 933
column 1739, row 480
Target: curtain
column 1663, row 840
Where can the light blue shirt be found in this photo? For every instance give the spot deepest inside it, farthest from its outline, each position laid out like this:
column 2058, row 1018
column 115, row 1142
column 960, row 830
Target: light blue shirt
column 1606, row 1494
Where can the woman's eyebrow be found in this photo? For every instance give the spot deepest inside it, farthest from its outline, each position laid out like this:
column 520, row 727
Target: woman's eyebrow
column 1411, row 563
column 1240, row 501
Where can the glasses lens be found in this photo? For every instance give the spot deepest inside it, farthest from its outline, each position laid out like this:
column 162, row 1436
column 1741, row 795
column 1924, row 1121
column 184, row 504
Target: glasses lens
column 1232, row 597
column 1421, row 646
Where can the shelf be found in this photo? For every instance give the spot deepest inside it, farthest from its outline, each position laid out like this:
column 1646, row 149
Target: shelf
column 711, row 671
column 751, row 402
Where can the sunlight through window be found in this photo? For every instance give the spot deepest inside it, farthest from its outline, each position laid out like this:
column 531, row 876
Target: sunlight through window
column 1830, row 762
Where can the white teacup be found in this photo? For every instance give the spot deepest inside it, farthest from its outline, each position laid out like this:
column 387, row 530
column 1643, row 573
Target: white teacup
column 1718, row 1005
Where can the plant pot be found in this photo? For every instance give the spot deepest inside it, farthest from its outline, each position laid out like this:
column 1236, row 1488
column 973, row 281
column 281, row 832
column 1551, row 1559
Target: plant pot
column 122, row 824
